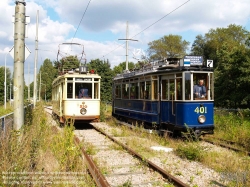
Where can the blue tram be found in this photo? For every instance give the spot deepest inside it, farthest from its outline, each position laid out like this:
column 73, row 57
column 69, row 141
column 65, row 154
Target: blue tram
column 162, row 95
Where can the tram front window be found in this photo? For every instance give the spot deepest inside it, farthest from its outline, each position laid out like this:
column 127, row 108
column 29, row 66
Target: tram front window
column 83, row 90
column 200, row 86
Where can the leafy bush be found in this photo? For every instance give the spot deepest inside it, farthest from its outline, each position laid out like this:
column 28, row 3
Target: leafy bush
column 190, row 151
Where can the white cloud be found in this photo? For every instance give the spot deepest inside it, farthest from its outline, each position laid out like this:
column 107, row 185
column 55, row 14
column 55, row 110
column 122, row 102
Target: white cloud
column 59, row 19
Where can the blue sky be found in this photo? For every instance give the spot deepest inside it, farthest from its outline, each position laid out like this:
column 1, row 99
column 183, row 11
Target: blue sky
column 104, row 22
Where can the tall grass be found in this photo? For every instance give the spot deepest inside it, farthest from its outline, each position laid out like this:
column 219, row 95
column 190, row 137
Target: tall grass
column 230, row 165
column 233, row 126
column 38, row 149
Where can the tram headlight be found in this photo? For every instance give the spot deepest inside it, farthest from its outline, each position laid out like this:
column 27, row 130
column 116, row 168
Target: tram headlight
column 201, row 119
column 83, row 111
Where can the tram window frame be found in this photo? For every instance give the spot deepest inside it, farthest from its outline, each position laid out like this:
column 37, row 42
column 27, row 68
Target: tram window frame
column 154, row 87
column 187, row 84
column 210, row 90
column 125, row 91
column 142, row 89
column 148, row 90
column 118, row 90
column 171, row 89
column 164, row 89
column 134, row 90
column 96, row 90
column 205, row 77
column 83, row 85
column 69, row 90
column 179, row 88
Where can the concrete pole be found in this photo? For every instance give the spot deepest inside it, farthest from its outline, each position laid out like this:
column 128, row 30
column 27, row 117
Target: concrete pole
column 10, row 93
column 40, row 87
column 19, row 56
column 5, row 82
column 29, row 82
column 127, row 47
column 36, row 52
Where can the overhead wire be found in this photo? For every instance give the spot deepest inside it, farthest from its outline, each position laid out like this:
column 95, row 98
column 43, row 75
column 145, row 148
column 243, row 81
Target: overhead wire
column 149, row 26
column 81, row 21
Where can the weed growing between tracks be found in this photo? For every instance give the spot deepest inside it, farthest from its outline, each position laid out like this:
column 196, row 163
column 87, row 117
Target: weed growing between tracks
column 39, row 155
column 231, row 166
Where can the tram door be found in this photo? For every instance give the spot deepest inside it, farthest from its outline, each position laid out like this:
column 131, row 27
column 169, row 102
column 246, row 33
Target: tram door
column 172, row 95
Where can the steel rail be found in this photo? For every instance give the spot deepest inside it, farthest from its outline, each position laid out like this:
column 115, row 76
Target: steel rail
column 165, row 174
column 226, row 146
column 93, row 169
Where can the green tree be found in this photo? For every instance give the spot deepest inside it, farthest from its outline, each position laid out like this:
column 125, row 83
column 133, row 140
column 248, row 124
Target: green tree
column 198, row 47
column 67, row 63
column 48, row 73
column 167, row 47
column 122, row 66
column 232, row 86
column 104, row 70
column 229, row 50
column 233, row 35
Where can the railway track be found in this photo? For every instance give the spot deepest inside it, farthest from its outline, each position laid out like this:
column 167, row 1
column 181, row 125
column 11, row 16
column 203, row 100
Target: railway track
column 226, row 144
column 137, row 172
column 219, row 142
column 130, row 168
column 126, row 167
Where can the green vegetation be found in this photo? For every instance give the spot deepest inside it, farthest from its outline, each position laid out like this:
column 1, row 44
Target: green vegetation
column 233, row 126
column 42, row 150
column 228, row 125
column 190, row 151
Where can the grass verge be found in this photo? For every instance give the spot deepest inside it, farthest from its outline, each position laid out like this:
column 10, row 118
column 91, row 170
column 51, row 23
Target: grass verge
column 40, row 154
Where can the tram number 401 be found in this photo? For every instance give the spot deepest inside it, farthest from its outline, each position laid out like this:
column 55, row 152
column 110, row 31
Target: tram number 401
column 201, row 110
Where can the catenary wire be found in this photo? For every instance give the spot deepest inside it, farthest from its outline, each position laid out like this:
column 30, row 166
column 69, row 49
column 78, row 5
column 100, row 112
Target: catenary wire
column 149, row 26
column 81, row 20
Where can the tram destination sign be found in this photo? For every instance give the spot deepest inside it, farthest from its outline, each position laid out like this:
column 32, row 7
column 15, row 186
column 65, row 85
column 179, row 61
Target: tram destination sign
column 192, row 61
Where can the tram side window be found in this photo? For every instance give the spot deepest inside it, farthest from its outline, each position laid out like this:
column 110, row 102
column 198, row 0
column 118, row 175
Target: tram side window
column 69, row 90
column 171, row 89
column 96, row 90
column 154, row 90
column 179, row 88
column 164, row 84
column 148, row 90
column 134, row 91
column 83, row 90
column 118, row 91
column 125, row 91
column 142, row 90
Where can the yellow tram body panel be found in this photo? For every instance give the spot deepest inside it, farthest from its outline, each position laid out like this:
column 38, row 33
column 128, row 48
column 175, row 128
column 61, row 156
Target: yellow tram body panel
column 76, row 96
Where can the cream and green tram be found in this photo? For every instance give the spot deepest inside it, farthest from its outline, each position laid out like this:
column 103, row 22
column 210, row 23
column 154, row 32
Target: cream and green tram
column 76, row 96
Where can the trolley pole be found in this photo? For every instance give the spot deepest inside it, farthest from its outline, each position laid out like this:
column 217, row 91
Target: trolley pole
column 19, row 56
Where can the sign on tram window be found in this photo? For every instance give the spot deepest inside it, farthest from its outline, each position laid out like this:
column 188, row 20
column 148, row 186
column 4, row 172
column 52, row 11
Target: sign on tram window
column 192, row 61
column 83, row 79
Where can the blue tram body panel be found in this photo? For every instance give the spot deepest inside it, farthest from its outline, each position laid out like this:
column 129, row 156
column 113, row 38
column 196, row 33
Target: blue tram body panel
column 168, row 93
column 186, row 113
column 138, row 109
column 183, row 113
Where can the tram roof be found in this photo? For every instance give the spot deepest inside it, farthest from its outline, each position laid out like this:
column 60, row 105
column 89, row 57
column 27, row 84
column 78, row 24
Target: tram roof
column 75, row 74
column 170, row 65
